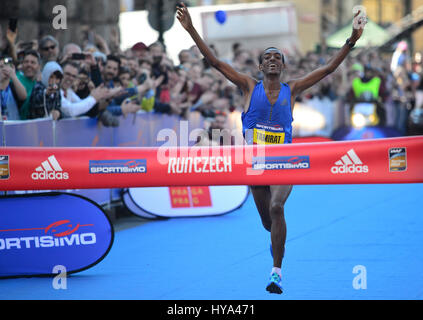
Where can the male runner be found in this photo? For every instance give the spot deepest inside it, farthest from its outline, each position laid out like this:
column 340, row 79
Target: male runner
column 267, row 118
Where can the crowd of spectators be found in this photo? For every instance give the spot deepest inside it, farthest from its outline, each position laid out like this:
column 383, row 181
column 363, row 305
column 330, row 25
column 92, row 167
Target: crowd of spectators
column 45, row 78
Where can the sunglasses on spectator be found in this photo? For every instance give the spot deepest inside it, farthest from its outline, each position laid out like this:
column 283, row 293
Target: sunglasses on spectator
column 52, row 47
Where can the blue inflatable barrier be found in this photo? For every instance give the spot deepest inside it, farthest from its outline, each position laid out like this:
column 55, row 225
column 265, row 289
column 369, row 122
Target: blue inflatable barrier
column 40, row 232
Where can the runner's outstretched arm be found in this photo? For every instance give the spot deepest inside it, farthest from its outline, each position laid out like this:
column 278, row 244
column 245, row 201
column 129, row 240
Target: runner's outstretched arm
column 300, row 85
column 242, row 81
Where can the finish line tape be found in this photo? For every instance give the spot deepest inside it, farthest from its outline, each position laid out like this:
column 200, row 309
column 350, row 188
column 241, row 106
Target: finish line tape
column 381, row 161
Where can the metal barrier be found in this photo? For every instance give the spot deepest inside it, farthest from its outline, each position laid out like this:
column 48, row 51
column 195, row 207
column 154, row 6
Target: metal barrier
column 137, row 130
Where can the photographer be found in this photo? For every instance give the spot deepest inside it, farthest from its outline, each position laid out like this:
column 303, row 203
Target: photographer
column 12, row 92
column 45, row 99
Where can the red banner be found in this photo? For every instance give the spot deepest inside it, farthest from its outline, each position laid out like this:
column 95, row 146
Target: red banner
column 397, row 160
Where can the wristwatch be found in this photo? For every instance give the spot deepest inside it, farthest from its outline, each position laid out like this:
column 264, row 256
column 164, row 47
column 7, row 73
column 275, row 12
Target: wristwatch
column 349, row 43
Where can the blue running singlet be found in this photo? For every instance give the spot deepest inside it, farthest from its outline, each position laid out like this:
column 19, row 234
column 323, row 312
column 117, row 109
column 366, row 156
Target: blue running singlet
column 264, row 123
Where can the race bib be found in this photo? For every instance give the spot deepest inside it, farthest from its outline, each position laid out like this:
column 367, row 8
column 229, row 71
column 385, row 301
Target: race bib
column 268, row 134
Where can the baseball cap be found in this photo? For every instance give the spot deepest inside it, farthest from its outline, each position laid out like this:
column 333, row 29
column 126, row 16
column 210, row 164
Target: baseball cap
column 140, row 46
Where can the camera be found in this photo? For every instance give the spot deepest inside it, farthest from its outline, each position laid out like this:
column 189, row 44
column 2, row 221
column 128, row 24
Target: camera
column 78, row 56
column 13, row 24
column 7, row 61
column 54, row 87
column 133, row 100
column 142, row 78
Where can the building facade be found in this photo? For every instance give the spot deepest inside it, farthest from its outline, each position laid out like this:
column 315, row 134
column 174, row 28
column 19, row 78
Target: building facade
column 36, row 18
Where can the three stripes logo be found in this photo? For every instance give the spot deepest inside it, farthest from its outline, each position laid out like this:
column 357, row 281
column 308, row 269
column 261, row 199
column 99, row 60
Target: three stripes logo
column 349, row 163
column 50, row 170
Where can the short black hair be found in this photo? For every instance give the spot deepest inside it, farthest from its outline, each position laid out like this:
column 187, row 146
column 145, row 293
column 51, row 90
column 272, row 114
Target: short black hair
column 261, row 55
column 123, row 70
column 84, row 72
column 112, row 57
column 72, row 64
column 32, row 53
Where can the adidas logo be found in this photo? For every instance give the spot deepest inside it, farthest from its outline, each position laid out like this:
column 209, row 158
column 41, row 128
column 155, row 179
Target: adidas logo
column 50, row 170
column 350, row 163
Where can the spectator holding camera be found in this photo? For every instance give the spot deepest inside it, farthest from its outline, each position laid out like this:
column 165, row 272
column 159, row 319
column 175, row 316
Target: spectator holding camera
column 11, row 35
column 28, row 69
column 129, row 97
column 70, row 50
column 72, row 105
column 45, row 99
column 120, row 94
column 144, row 77
column 83, row 85
column 12, row 92
column 159, row 72
column 86, row 61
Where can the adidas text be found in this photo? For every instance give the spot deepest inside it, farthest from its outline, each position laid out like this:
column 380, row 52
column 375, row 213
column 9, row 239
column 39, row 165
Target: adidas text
column 50, row 175
column 350, row 169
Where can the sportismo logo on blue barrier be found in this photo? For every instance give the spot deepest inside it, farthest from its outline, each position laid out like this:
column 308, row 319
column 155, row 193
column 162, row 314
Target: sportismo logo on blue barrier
column 56, row 239
column 38, row 232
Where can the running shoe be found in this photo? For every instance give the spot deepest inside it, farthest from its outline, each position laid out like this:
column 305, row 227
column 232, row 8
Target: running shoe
column 275, row 284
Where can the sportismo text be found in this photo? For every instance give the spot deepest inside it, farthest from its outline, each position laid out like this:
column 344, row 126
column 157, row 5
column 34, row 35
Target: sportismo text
column 47, row 241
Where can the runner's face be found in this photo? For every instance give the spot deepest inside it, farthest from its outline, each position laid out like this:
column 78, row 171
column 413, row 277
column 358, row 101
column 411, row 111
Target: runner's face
column 272, row 63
